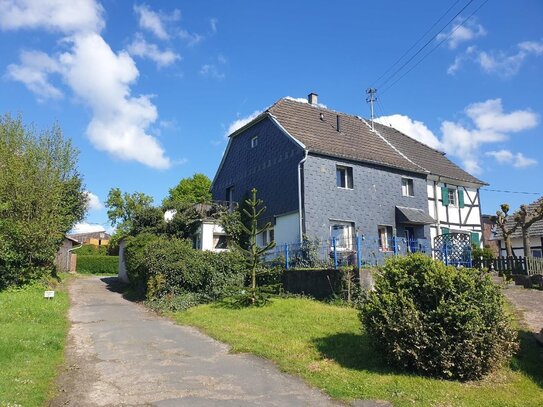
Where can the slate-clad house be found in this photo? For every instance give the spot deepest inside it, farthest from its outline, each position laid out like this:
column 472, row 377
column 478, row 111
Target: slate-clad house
column 327, row 174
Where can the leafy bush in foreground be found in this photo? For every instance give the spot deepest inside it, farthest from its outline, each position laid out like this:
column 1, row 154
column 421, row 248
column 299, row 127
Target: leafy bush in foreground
column 437, row 320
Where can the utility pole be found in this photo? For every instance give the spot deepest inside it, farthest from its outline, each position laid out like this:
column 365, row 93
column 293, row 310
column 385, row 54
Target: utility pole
column 370, row 99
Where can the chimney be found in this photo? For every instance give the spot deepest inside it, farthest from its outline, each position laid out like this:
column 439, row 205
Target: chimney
column 338, row 127
column 312, row 98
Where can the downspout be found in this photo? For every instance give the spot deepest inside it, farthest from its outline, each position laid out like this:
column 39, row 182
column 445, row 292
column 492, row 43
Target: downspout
column 300, row 209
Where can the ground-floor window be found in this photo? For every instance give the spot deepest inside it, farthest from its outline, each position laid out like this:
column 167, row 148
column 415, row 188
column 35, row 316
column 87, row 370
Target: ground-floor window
column 385, row 235
column 343, row 232
column 537, row 253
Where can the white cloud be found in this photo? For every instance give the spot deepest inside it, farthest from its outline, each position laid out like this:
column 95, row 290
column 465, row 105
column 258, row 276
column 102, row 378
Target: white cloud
column 414, row 128
column 151, row 21
column 460, row 33
column 517, row 160
column 213, row 24
column 84, row 227
column 191, row 39
column 499, row 62
column 143, row 49
column 490, row 124
column 97, row 75
column 211, row 71
column 93, row 202
column 54, row 15
column 33, row 72
column 239, row 123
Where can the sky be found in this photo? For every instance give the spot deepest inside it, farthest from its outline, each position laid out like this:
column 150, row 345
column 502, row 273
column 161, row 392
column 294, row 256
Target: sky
column 149, row 91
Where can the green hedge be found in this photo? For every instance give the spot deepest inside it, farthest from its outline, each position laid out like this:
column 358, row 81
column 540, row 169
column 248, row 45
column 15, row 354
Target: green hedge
column 98, row 264
column 91, row 250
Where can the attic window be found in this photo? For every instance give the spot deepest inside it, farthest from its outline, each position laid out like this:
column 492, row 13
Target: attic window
column 254, row 141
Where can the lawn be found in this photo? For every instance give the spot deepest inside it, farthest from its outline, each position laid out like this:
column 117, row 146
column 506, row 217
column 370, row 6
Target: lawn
column 32, row 337
column 324, row 345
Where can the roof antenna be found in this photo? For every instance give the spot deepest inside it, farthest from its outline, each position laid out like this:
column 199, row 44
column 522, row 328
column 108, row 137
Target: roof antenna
column 370, row 99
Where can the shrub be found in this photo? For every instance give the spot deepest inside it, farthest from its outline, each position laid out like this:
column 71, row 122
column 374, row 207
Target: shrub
column 135, row 258
column 438, row 320
column 174, row 267
column 98, row 264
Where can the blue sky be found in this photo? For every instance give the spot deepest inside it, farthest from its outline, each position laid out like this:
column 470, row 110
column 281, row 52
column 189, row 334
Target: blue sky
column 148, row 90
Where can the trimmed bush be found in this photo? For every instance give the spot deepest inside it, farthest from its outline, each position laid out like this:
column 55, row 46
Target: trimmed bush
column 174, row 267
column 135, row 258
column 438, row 320
column 98, row 264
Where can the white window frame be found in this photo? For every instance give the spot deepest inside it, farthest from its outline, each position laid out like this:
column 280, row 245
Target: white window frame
column 345, row 177
column 254, row 141
column 268, row 236
column 383, row 232
column 453, row 196
column 408, row 187
column 344, row 234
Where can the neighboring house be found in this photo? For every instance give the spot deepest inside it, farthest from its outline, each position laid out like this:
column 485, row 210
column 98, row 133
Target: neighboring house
column 94, row 238
column 489, row 234
column 535, row 233
column 209, row 235
column 327, row 174
column 64, row 259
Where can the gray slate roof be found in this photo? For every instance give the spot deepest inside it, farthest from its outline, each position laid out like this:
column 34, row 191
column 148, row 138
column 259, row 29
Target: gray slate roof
column 535, row 230
column 356, row 141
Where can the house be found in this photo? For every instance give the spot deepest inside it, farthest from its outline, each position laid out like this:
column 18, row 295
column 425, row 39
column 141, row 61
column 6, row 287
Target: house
column 93, row 238
column 489, row 233
column 535, row 234
column 324, row 174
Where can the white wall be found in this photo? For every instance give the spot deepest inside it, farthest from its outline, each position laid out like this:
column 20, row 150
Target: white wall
column 207, row 232
column 287, row 229
column 518, row 245
column 122, row 274
column 456, row 219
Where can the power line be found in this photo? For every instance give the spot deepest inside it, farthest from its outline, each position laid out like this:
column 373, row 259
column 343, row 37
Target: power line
column 426, row 44
column 511, row 192
column 434, row 48
column 415, row 43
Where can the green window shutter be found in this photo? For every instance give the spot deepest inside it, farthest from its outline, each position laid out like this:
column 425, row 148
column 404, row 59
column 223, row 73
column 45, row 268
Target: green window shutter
column 444, row 231
column 475, row 239
column 460, row 198
column 445, row 196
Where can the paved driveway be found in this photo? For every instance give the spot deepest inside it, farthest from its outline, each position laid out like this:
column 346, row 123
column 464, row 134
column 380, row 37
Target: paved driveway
column 119, row 353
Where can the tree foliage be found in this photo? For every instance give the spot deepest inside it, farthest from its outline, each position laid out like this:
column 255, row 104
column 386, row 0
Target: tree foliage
column 41, row 197
column 192, row 190
column 507, row 229
column 122, row 208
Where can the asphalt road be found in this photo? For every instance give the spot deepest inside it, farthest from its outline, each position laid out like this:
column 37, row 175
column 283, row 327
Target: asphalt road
column 121, row 354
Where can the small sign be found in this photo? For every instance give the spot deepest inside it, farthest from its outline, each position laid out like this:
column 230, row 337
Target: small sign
column 49, row 294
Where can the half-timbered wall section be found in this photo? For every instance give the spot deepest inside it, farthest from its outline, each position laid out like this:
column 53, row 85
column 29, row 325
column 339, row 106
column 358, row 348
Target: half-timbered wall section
column 455, row 207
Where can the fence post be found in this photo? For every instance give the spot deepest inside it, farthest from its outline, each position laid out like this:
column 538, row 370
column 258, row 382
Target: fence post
column 358, row 253
column 286, row 257
column 335, row 252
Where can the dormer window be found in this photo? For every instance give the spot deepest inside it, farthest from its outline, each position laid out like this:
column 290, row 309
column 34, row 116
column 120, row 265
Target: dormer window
column 254, row 141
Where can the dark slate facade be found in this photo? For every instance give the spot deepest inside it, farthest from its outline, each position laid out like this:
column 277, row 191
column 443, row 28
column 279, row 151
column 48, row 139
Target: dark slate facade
column 271, row 167
column 372, row 201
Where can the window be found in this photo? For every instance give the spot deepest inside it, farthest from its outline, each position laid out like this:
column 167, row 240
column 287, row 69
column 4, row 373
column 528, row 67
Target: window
column 220, row 241
column 385, row 236
column 343, row 233
column 407, row 187
column 268, row 237
column 344, row 177
column 452, row 196
column 230, row 195
column 537, row 253
column 254, row 141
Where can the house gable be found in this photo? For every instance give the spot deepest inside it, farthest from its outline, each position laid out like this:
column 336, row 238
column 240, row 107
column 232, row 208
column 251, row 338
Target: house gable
column 261, row 156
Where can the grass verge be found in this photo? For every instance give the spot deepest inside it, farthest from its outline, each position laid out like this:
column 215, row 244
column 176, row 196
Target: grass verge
column 324, row 344
column 32, row 337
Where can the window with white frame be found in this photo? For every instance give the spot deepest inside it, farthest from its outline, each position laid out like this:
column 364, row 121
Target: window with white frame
column 344, row 177
column 343, row 233
column 407, row 187
column 220, row 241
column 268, row 236
column 452, row 196
column 254, row 141
column 385, row 236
